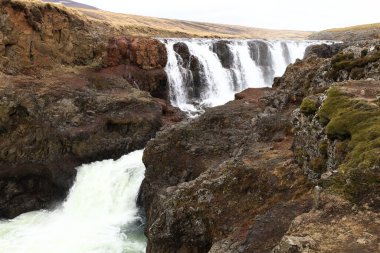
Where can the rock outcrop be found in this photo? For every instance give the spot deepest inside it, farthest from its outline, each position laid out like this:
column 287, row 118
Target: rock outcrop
column 336, row 226
column 239, row 176
column 50, row 126
column 37, row 37
column 71, row 92
column 207, row 180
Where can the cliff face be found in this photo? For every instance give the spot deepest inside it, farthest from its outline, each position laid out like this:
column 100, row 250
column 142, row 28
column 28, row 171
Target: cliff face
column 35, row 36
column 242, row 177
column 71, row 92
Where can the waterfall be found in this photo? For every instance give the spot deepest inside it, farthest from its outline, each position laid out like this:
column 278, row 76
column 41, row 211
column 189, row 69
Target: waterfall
column 208, row 72
column 99, row 215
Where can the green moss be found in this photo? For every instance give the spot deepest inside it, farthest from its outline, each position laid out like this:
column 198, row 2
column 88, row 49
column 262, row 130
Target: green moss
column 348, row 62
column 358, row 122
column 308, row 106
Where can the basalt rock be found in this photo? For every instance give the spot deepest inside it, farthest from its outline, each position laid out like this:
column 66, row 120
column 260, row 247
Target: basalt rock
column 324, row 50
column 261, row 54
column 144, row 53
column 224, row 54
column 38, row 37
column 336, row 226
column 50, row 126
column 234, row 179
column 141, row 61
column 229, row 173
column 35, row 36
column 190, row 63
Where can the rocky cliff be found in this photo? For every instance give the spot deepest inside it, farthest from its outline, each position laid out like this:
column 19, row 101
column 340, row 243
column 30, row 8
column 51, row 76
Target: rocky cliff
column 288, row 169
column 70, row 93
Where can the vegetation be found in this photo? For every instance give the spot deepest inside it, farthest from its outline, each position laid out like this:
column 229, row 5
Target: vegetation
column 308, row 106
column 358, row 122
column 347, row 61
column 355, row 28
column 158, row 27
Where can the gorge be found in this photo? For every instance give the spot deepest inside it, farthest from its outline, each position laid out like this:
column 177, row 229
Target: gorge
column 250, row 145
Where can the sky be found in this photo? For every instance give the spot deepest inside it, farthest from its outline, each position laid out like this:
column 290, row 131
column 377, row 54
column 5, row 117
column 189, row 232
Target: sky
column 276, row 14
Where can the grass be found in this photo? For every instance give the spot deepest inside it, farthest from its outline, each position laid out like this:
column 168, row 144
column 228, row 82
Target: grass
column 135, row 25
column 355, row 28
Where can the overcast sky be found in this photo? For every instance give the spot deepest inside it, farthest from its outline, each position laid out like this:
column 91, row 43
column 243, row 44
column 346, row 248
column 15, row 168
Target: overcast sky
column 279, row 14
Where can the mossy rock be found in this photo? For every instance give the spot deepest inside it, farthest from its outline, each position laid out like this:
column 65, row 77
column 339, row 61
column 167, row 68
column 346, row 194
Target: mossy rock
column 308, row 106
column 347, row 62
column 322, row 148
column 318, row 165
column 357, row 122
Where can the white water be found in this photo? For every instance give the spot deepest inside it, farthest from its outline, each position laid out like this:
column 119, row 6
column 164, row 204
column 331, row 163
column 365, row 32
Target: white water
column 99, row 216
column 219, row 84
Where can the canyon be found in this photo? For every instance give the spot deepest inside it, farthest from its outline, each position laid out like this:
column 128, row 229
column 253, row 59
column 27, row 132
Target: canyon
column 251, row 145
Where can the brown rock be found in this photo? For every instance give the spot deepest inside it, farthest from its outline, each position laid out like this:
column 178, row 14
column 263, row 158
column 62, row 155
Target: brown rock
column 335, row 227
column 215, row 183
column 51, row 125
column 144, row 53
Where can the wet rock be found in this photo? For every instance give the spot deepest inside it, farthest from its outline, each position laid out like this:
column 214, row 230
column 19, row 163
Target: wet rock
column 261, row 54
column 224, row 54
column 194, row 70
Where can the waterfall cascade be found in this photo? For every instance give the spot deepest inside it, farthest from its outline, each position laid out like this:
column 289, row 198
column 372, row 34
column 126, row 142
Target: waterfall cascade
column 99, row 215
column 206, row 72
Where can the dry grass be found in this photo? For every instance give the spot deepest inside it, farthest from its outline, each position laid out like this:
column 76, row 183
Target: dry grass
column 355, row 28
column 140, row 25
column 157, row 27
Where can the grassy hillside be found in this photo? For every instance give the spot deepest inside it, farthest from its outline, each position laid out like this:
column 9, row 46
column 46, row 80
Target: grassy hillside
column 159, row 27
column 73, row 4
column 352, row 33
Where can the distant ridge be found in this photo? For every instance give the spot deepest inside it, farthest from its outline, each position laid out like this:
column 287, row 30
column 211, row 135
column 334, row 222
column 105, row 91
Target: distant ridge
column 72, row 4
column 351, row 33
column 135, row 25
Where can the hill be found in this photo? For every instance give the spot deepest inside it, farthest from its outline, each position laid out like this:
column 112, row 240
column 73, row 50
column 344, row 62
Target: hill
column 159, row 27
column 72, row 4
column 352, row 33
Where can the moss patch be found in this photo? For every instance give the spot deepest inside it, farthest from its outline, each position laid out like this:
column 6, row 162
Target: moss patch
column 308, row 106
column 346, row 61
column 358, row 122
